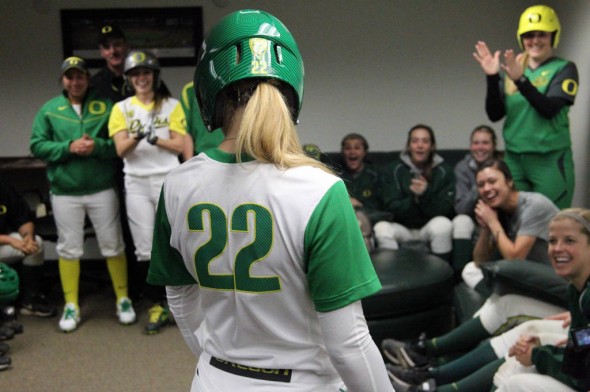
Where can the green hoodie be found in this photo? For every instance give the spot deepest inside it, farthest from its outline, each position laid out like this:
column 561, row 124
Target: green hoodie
column 438, row 199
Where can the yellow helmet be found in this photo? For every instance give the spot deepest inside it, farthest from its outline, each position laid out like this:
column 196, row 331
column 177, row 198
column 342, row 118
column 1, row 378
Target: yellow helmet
column 539, row 18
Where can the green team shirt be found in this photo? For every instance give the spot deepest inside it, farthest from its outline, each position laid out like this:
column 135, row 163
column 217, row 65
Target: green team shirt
column 203, row 139
column 268, row 248
column 527, row 131
column 56, row 126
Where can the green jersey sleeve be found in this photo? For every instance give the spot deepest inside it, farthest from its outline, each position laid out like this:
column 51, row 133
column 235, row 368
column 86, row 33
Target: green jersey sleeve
column 339, row 269
column 166, row 266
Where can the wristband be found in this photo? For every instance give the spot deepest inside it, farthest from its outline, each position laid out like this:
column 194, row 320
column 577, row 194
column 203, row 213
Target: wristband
column 522, row 80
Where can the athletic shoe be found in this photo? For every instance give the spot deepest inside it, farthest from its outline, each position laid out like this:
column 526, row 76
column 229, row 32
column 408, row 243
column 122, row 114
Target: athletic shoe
column 402, row 386
column 407, row 355
column 5, row 362
column 15, row 326
column 4, row 348
column 159, row 316
column 6, row 333
column 38, row 306
column 411, row 376
column 125, row 311
column 70, row 318
column 8, row 319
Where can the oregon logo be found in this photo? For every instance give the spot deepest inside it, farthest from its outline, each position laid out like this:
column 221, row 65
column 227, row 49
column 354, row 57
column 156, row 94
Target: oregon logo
column 367, row 193
column 3, row 209
column 535, row 18
column 569, row 86
column 107, row 29
column 139, row 57
column 74, row 60
column 97, row 107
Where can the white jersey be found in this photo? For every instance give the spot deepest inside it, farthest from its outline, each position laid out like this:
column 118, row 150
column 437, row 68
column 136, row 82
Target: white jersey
column 268, row 248
column 131, row 115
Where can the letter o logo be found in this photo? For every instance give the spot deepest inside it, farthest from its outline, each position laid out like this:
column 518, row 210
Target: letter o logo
column 570, row 87
column 97, row 107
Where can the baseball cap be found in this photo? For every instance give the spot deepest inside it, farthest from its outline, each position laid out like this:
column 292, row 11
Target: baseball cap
column 109, row 32
column 74, row 62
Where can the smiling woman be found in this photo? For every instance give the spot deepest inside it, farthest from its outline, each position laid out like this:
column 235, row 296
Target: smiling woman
column 534, row 91
column 421, row 194
column 513, row 224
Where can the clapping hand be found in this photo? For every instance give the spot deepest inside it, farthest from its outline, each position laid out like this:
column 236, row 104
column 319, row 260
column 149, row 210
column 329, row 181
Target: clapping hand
column 489, row 63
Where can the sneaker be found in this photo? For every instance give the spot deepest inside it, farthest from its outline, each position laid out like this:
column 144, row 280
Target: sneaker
column 125, row 311
column 5, row 362
column 6, row 333
column 70, row 318
column 8, row 319
column 4, row 348
column 411, row 376
column 407, row 355
column 15, row 326
column 38, row 306
column 159, row 316
column 402, row 386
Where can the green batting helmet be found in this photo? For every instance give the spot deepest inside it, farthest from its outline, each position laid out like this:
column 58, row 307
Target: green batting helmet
column 247, row 44
column 8, row 284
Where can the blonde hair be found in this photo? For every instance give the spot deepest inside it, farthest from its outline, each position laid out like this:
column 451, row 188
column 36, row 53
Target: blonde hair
column 580, row 215
column 267, row 132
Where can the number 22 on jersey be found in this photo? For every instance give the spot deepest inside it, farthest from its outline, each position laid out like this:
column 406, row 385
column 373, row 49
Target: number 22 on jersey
column 254, row 252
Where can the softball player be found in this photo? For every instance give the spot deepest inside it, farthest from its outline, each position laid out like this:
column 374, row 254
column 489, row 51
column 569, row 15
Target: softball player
column 482, row 145
column 148, row 129
column 422, row 195
column 513, row 224
column 70, row 134
column 534, row 93
column 555, row 367
column 255, row 241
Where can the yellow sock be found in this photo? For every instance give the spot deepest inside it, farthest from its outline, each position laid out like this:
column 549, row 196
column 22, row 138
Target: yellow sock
column 69, row 272
column 117, row 267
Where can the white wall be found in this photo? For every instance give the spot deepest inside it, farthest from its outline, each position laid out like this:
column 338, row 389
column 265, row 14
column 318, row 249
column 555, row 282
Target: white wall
column 373, row 66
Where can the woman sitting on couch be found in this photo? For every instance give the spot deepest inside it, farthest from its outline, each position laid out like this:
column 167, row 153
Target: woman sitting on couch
column 422, row 189
column 513, row 225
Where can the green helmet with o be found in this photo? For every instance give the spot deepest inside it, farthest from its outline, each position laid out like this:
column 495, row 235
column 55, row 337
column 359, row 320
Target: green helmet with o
column 247, row 44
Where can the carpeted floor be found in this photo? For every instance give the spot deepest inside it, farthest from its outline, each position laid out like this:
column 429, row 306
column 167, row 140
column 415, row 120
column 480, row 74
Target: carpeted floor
column 101, row 355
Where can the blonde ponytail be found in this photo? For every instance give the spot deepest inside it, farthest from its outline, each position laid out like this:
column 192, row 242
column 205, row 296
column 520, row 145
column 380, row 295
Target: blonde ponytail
column 267, row 132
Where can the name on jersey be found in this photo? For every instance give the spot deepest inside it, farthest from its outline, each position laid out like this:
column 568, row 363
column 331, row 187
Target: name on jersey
column 279, row 375
column 135, row 125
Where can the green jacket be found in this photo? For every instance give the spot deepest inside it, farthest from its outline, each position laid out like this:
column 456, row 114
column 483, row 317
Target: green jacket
column 202, row 138
column 56, row 125
column 368, row 187
column 438, row 199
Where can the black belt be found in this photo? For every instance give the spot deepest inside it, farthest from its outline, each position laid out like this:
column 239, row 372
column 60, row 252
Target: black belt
column 279, row 375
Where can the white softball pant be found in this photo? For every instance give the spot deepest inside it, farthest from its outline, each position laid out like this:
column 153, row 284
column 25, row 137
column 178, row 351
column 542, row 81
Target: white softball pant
column 500, row 309
column 8, row 254
column 102, row 209
column 531, row 381
column 548, row 331
column 437, row 233
column 141, row 198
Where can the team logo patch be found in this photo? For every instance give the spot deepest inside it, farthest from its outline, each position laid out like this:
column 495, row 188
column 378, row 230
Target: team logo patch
column 3, row 209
